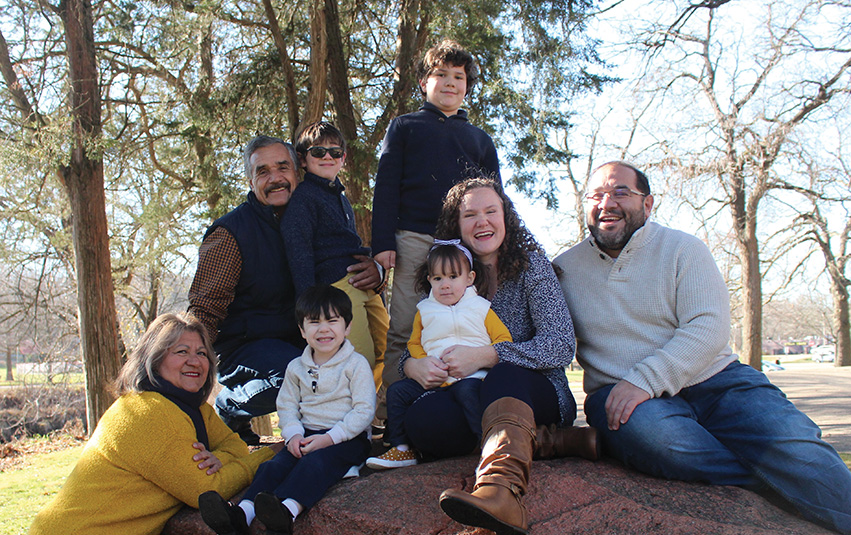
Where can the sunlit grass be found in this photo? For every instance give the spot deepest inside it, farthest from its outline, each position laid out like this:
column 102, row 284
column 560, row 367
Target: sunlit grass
column 27, row 489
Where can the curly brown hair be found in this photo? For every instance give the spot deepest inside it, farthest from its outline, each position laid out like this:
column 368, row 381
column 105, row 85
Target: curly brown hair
column 513, row 254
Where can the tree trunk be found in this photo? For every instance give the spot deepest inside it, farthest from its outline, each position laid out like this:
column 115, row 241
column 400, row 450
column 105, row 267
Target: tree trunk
column 83, row 179
column 751, row 351
column 289, row 75
column 841, row 323
column 318, row 82
column 9, row 375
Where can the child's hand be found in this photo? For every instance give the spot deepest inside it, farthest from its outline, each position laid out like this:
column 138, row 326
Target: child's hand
column 208, row 460
column 462, row 361
column 316, row 442
column 294, row 445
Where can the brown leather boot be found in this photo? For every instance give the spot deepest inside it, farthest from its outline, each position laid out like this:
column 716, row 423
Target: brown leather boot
column 503, row 472
column 554, row 442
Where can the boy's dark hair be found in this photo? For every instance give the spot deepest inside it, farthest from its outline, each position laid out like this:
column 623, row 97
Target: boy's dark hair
column 323, row 300
column 451, row 53
column 448, row 256
column 313, row 132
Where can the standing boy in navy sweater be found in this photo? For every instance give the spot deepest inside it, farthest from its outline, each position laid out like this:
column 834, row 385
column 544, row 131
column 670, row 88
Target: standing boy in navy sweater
column 424, row 154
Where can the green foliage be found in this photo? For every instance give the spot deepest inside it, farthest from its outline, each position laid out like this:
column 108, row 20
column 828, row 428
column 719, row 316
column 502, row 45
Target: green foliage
column 185, row 85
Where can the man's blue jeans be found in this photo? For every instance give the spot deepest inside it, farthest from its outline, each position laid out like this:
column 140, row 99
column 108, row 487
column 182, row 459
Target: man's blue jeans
column 735, row 428
column 251, row 377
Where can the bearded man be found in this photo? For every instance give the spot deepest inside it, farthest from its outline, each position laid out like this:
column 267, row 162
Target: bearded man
column 665, row 391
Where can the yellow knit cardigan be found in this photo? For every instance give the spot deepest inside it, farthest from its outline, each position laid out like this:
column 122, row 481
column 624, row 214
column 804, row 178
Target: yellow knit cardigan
column 137, row 470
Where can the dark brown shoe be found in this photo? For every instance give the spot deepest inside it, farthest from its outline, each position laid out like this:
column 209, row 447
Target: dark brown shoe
column 554, row 442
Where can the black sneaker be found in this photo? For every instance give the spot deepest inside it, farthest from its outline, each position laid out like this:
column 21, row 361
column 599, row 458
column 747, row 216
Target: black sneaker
column 273, row 513
column 222, row 516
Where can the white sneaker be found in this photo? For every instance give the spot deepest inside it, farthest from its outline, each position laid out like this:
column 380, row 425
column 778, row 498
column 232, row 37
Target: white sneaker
column 354, row 471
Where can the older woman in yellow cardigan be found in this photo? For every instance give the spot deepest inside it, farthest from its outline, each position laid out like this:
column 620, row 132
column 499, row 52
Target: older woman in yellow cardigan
column 159, row 446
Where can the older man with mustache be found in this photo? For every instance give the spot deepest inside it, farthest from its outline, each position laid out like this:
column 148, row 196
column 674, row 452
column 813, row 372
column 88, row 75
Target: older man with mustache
column 243, row 290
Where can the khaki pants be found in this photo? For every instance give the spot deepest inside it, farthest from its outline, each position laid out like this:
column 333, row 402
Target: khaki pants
column 411, row 251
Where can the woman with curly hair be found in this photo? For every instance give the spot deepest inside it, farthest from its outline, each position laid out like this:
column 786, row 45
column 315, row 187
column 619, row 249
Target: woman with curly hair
column 158, row 446
column 528, row 407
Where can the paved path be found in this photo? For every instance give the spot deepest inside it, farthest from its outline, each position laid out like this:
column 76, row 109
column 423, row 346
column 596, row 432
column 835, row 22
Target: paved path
column 821, row 390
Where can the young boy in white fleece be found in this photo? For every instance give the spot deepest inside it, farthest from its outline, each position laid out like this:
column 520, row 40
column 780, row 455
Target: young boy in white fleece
column 325, row 407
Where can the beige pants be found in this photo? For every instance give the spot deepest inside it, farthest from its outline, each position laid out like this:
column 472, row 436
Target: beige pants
column 369, row 325
column 411, row 251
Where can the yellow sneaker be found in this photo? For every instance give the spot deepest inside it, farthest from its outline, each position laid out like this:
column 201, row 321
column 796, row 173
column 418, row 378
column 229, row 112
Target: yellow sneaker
column 392, row 458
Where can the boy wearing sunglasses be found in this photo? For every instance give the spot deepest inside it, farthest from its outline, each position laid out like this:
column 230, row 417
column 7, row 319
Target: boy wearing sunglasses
column 322, row 241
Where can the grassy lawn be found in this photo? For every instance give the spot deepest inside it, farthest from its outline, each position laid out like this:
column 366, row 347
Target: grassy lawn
column 27, row 489
column 41, row 378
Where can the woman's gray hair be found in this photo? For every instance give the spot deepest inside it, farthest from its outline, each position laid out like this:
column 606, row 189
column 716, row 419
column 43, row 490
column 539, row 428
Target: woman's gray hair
column 153, row 347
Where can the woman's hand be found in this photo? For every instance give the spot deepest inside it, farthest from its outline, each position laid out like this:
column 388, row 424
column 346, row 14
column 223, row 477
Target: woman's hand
column 429, row 372
column 208, row 460
column 462, row 361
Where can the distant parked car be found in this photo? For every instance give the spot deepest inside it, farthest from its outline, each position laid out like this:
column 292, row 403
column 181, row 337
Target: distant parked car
column 826, row 353
column 771, row 367
column 824, row 357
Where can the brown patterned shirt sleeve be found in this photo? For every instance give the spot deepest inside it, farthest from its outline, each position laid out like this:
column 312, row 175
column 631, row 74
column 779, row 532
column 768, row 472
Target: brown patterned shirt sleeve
column 214, row 285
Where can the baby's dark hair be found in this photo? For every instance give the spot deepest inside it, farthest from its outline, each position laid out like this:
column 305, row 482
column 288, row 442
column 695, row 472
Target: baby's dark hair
column 323, row 300
column 313, row 132
column 448, row 52
column 449, row 259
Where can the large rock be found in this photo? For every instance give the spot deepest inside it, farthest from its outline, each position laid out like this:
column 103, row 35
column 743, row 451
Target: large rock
column 566, row 496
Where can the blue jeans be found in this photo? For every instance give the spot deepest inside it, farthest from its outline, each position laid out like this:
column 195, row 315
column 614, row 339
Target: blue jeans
column 403, row 393
column 735, row 428
column 251, row 377
column 307, row 479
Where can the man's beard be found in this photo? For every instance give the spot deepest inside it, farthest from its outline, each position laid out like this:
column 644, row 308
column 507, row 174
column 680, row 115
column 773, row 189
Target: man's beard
column 615, row 241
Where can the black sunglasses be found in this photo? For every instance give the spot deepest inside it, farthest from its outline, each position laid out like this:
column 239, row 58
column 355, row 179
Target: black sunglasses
column 319, row 152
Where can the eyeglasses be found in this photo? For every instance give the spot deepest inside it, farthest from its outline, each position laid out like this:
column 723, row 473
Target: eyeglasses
column 620, row 193
column 319, row 152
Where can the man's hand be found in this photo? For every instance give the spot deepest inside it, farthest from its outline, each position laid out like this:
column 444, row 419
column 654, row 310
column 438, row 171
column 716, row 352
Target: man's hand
column 387, row 259
column 622, row 400
column 366, row 275
column 316, row 442
column 208, row 460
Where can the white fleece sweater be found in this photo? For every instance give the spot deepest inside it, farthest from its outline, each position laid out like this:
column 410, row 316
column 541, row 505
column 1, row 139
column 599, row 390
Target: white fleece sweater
column 343, row 400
